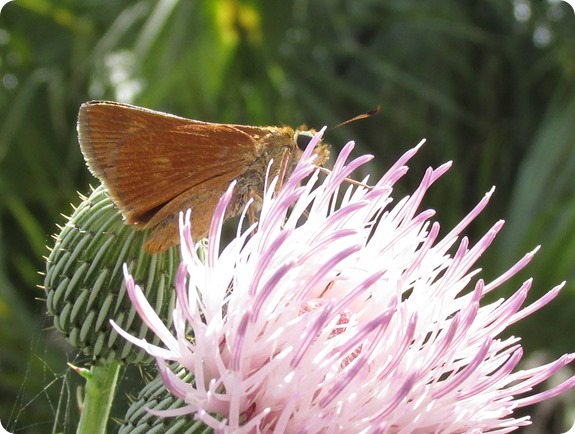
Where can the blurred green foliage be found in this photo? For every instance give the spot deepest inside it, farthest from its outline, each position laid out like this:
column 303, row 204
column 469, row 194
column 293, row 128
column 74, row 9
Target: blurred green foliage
column 490, row 84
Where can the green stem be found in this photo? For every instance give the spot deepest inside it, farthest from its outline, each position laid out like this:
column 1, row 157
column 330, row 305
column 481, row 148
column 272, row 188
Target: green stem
column 100, row 389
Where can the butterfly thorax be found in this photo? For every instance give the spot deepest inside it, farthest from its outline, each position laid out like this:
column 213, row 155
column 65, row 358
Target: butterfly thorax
column 277, row 156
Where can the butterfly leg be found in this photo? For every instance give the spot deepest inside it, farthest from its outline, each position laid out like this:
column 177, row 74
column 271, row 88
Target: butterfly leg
column 283, row 169
column 349, row 180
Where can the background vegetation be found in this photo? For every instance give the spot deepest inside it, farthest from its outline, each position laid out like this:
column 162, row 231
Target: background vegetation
column 490, row 84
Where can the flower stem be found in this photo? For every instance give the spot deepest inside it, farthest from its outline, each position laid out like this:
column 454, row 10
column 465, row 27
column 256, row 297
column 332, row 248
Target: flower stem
column 100, row 389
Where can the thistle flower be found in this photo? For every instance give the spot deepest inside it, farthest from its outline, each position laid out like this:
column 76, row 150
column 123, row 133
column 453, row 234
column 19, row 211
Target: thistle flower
column 344, row 315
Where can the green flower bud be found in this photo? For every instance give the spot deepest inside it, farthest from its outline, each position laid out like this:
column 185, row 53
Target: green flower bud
column 155, row 396
column 84, row 281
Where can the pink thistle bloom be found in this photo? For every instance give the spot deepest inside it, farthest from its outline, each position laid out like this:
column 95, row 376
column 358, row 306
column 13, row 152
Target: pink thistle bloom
column 345, row 315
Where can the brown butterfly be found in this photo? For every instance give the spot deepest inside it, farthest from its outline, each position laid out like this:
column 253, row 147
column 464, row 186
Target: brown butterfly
column 155, row 164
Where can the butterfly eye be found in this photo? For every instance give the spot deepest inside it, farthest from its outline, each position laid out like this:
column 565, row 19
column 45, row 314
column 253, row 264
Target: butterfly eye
column 303, row 138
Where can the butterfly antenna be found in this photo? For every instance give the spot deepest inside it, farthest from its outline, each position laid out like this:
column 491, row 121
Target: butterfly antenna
column 359, row 117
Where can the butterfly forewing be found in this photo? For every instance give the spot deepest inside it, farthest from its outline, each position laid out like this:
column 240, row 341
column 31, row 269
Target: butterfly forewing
column 170, row 154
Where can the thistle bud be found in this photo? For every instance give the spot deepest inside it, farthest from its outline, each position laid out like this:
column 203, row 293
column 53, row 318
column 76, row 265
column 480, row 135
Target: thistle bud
column 85, row 285
column 154, row 396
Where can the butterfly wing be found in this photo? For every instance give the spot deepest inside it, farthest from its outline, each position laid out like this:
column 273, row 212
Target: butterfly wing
column 148, row 158
column 164, row 224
